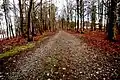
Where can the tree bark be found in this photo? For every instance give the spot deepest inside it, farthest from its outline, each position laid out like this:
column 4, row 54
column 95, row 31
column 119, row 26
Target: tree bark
column 4, row 6
column 77, row 15
column 83, row 16
column 28, row 29
column 112, row 20
column 21, row 18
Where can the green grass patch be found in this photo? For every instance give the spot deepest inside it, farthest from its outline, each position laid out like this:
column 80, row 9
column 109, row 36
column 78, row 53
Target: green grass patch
column 17, row 50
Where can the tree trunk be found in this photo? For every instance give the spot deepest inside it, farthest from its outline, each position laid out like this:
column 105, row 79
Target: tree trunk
column 15, row 18
column 101, row 16
column 77, row 15
column 29, row 12
column 4, row 6
column 83, row 17
column 21, row 18
column 49, row 17
column 75, row 19
column 42, row 21
column 62, row 23
column 112, row 20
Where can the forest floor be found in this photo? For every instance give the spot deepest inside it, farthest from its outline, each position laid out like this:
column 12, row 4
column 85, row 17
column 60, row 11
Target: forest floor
column 63, row 56
column 99, row 39
column 8, row 44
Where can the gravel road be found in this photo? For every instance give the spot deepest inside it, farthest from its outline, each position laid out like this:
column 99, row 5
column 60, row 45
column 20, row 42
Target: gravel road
column 62, row 57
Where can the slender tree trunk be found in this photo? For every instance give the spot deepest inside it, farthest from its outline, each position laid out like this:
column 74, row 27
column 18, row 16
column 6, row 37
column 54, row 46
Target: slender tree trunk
column 49, row 17
column 6, row 19
column 98, row 9
column 41, row 20
column 62, row 23
column 77, row 15
column 88, row 16
column 3, row 31
column 75, row 19
column 11, row 30
column 71, row 20
column 46, row 28
column 21, row 18
column 33, row 34
column 29, row 12
column 7, row 26
column 83, row 17
column 11, row 27
column 15, row 18
column 93, row 16
column 101, row 17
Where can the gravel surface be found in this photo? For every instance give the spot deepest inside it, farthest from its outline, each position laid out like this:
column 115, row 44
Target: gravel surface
column 62, row 57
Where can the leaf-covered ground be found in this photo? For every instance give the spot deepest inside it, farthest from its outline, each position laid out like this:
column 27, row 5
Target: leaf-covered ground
column 7, row 44
column 62, row 57
column 99, row 39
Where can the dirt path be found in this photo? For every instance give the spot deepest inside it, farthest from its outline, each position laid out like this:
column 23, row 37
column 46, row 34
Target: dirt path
column 63, row 57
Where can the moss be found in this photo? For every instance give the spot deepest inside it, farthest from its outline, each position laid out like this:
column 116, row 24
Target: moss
column 17, row 50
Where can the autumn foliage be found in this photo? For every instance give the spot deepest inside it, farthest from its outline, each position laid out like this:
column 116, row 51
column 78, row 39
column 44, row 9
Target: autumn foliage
column 7, row 44
column 99, row 40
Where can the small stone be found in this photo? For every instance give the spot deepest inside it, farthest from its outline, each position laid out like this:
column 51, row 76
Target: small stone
column 63, row 75
column 7, row 73
column 104, row 78
column 91, row 74
column 64, row 68
column 56, row 72
column 97, row 72
column 14, row 61
column 6, row 67
column 1, row 76
column 48, row 74
column 80, row 72
column 75, row 76
column 68, row 65
column 49, row 79
column 99, row 68
column 87, row 77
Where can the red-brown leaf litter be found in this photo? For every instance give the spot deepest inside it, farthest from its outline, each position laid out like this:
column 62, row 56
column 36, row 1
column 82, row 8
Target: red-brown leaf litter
column 7, row 44
column 99, row 40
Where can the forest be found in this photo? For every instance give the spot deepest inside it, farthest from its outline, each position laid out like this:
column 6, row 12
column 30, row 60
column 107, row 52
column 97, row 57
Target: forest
column 58, row 36
column 17, row 17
